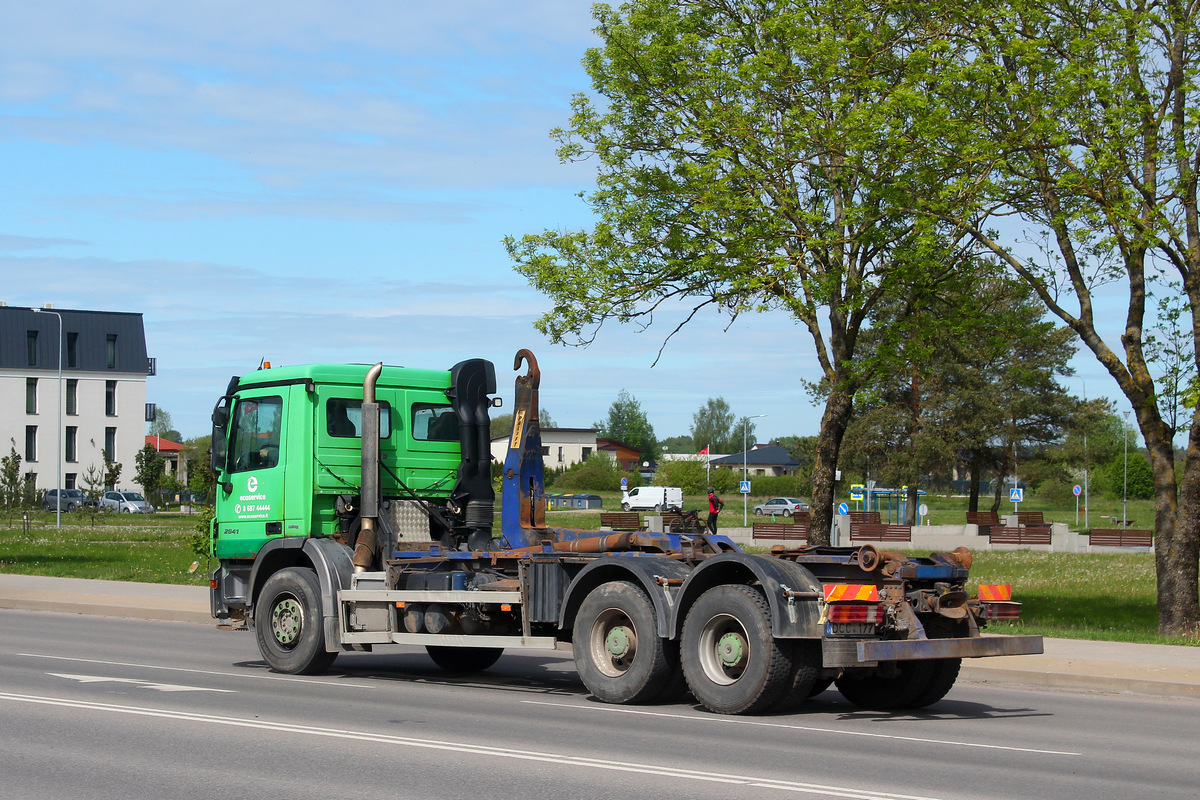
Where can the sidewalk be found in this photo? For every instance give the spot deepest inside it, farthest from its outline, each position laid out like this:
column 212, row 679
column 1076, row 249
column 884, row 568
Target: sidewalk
column 1148, row 669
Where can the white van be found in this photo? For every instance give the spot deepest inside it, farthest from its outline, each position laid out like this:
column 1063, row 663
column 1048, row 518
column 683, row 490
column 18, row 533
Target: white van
column 652, row 498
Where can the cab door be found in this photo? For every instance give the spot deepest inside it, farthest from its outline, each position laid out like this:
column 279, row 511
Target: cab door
column 251, row 503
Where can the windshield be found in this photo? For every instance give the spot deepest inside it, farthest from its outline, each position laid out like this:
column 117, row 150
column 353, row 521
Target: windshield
column 133, row 496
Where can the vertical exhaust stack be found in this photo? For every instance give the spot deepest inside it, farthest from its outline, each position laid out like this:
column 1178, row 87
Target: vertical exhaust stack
column 367, row 543
column 471, row 383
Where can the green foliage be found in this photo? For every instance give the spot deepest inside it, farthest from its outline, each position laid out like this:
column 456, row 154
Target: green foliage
column 594, row 475
column 150, row 468
column 688, row 475
column 10, row 480
column 112, row 470
column 679, row 444
column 1141, row 477
column 201, row 540
column 713, row 426
column 627, row 424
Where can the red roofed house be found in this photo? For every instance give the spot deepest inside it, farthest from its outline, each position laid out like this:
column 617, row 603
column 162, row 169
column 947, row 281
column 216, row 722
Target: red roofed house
column 174, row 454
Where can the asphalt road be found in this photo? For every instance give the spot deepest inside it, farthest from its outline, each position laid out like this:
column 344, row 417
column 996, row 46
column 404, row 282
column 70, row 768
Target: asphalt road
column 109, row 708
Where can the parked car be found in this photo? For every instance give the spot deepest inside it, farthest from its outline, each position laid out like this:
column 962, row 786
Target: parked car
column 127, row 502
column 652, row 498
column 780, row 505
column 71, row 500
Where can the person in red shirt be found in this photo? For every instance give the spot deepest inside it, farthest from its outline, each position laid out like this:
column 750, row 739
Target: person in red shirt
column 715, row 504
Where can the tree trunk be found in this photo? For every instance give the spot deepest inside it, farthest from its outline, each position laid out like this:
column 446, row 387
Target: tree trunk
column 838, row 406
column 975, row 474
column 1177, row 531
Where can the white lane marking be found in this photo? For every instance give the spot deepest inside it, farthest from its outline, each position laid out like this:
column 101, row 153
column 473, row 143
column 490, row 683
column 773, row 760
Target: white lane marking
column 254, row 676
column 459, row 748
column 158, row 687
column 744, row 721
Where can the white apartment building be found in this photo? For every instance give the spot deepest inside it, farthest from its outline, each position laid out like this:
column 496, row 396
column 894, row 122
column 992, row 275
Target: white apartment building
column 101, row 397
column 561, row 447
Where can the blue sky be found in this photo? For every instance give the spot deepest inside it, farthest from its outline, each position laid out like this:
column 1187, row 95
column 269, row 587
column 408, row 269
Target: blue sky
column 312, row 182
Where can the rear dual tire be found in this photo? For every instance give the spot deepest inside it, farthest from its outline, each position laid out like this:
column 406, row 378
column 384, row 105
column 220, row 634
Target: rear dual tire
column 732, row 662
column 618, row 652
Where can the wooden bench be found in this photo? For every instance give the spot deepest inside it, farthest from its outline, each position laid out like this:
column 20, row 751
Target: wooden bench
column 621, row 520
column 865, row 516
column 879, row 532
column 1030, row 518
column 780, row 530
column 800, row 517
column 1028, row 534
column 1115, row 521
column 1120, row 537
column 983, row 518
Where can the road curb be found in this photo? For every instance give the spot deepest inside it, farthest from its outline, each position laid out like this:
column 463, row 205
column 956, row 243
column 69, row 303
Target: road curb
column 1060, row 680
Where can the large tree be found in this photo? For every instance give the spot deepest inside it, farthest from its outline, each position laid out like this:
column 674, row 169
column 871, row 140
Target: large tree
column 751, row 157
column 627, row 423
column 713, row 427
column 1080, row 119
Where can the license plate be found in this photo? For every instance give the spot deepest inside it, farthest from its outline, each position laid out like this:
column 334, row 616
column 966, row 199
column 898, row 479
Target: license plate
column 850, row 628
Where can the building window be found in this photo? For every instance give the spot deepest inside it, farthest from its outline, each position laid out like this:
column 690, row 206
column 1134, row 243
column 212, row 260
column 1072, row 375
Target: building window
column 31, row 395
column 110, row 443
column 72, row 397
column 110, row 398
column 72, row 349
column 69, row 480
column 31, row 348
column 545, row 450
column 560, row 457
column 69, row 445
column 31, row 442
column 587, row 452
column 111, row 353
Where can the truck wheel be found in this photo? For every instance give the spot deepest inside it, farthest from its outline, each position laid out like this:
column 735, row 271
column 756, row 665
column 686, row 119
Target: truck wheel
column 885, row 694
column 618, row 652
column 288, row 624
column 732, row 662
column 464, row 659
column 945, row 673
column 806, row 674
column 624, row 506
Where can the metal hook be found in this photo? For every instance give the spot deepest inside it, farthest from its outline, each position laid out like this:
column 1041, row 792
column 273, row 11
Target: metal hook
column 534, row 376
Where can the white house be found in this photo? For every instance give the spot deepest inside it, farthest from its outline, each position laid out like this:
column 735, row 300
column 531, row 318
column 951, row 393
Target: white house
column 561, row 447
column 101, row 399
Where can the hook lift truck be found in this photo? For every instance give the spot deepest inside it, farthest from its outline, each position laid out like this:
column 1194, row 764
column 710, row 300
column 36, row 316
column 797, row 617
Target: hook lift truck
column 355, row 508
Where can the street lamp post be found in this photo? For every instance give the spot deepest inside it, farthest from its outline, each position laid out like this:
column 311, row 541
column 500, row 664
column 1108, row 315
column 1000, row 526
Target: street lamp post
column 745, row 464
column 58, row 446
column 1125, row 489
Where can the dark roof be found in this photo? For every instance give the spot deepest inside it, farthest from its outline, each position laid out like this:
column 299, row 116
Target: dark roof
column 93, row 328
column 773, row 455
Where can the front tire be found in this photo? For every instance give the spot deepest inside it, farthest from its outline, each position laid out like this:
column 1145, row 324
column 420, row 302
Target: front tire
column 618, row 652
column 464, row 659
column 758, row 512
column 732, row 662
column 624, row 506
column 288, row 623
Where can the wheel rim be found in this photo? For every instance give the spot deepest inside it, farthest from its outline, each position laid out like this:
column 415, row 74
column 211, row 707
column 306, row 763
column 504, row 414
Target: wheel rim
column 287, row 621
column 613, row 643
column 724, row 650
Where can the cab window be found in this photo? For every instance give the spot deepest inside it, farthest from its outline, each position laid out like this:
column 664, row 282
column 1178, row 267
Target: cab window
column 256, row 428
column 434, row 422
column 343, row 418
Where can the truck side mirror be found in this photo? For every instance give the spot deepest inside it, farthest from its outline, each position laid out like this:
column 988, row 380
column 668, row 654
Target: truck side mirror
column 218, row 449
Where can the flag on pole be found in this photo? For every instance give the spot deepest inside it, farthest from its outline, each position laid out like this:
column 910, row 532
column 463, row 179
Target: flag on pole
column 704, row 452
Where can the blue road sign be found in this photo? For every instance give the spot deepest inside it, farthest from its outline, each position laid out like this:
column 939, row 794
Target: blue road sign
column 624, row 483
column 745, row 487
column 843, row 509
column 1016, row 495
column 1078, row 490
